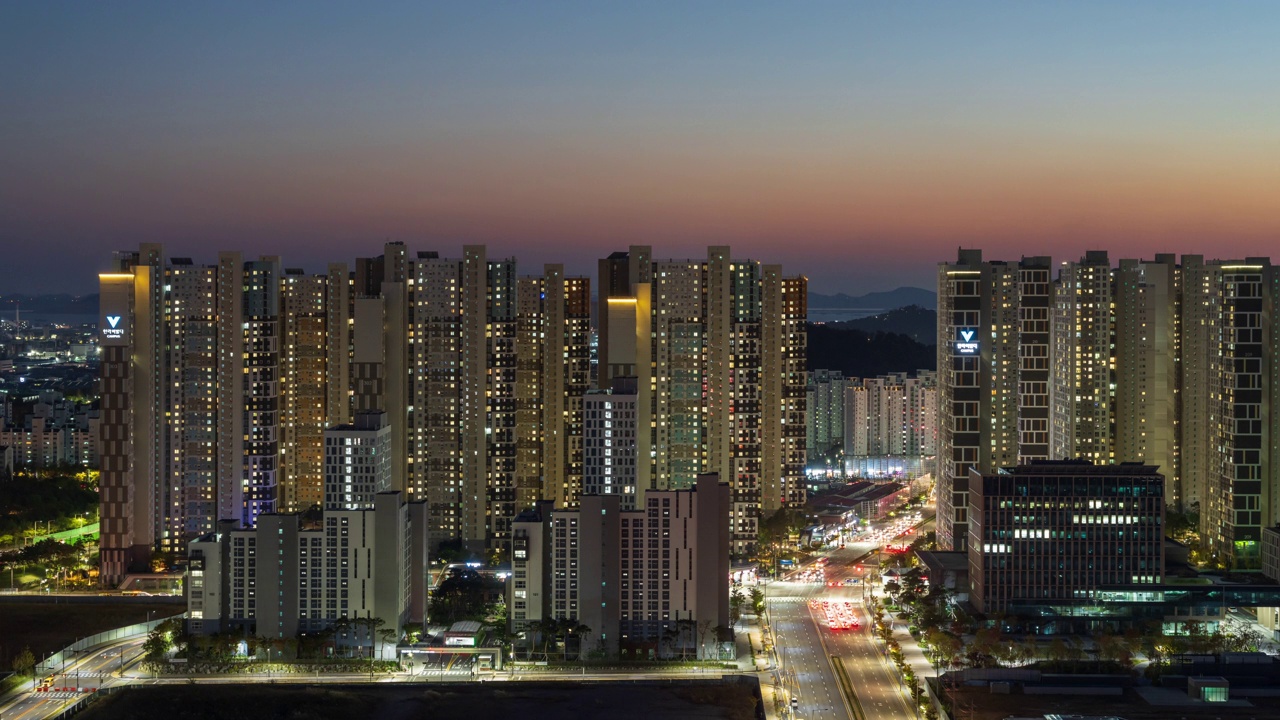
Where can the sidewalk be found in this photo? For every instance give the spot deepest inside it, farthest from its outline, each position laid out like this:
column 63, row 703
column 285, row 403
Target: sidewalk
column 749, row 634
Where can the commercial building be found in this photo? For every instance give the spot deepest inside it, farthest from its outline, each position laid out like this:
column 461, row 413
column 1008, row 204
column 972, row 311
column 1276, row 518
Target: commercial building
column 1050, row 532
column 647, row 582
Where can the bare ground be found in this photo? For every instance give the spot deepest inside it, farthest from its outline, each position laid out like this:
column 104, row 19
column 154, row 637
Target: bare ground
column 494, row 701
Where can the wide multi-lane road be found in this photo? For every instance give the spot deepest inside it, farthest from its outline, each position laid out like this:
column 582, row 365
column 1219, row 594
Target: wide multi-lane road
column 94, row 669
column 806, row 643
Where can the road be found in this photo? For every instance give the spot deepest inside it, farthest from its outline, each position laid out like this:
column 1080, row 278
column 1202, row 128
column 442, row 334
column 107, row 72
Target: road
column 94, row 669
column 805, row 644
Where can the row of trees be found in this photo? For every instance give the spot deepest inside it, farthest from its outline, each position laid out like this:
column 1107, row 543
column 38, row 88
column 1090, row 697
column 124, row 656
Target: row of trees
column 43, row 505
column 554, row 636
column 738, row 601
column 883, row 630
column 354, row 638
column 69, row 565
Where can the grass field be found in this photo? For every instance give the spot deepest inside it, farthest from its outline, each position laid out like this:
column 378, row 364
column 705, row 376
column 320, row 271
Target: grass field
column 47, row 627
column 529, row 701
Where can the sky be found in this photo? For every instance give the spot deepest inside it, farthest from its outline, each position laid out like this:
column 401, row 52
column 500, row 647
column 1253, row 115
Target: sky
column 856, row 143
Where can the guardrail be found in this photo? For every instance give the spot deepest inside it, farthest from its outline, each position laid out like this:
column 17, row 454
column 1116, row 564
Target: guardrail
column 84, row 702
column 54, row 661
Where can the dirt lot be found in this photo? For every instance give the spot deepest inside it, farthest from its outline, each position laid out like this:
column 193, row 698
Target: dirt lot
column 47, row 627
column 496, row 701
column 979, row 704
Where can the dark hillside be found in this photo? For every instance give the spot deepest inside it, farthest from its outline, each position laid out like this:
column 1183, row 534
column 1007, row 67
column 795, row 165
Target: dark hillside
column 856, row 353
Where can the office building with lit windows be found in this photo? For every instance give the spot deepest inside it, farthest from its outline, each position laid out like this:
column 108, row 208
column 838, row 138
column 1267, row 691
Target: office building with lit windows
column 1050, row 532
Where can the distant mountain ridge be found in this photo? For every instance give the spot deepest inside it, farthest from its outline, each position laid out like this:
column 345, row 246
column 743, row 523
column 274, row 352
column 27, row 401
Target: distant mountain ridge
column 886, row 300
column 918, row 323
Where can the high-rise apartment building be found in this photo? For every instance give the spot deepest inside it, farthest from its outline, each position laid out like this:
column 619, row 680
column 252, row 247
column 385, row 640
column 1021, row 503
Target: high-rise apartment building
column 993, row 375
column 611, row 423
column 314, row 378
column 718, row 350
column 219, row 382
column 192, row 399
column 553, row 372
column 892, row 415
column 357, row 461
column 434, row 345
column 632, row 576
column 1240, row 498
column 1083, row 396
column 1156, row 362
column 1146, row 363
column 825, row 415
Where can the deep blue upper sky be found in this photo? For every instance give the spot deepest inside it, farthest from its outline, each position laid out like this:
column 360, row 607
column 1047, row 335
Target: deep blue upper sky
column 857, row 143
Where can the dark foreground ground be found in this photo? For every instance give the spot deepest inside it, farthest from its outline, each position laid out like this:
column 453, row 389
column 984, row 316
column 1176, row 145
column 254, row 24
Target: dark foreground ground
column 529, row 701
column 974, row 703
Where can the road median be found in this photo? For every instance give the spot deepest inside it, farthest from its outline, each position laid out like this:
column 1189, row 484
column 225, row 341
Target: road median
column 846, row 689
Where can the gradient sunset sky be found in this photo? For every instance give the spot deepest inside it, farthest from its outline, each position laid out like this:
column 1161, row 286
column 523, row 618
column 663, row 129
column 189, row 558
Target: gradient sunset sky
column 858, row 143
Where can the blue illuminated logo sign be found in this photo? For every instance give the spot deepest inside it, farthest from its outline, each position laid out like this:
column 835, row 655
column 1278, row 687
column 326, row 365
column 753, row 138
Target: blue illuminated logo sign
column 115, row 331
column 966, row 341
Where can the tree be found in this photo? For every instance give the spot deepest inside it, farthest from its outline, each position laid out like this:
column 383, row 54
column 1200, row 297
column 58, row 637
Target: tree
column 461, row 597
column 892, row 589
column 1058, row 651
column 1113, row 649
column 944, row 648
column 736, row 601
column 387, row 636
column 757, row 600
column 24, row 663
column 157, row 645
column 704, row 629
column 571, row 628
